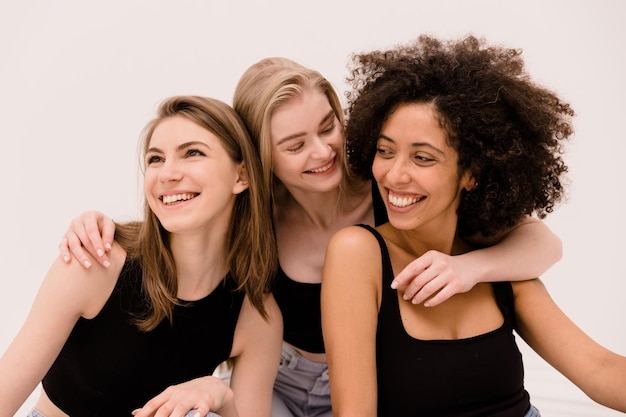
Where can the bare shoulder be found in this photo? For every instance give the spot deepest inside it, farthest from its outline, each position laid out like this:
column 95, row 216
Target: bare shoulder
column 533, row 303
column 87, row 289
column 353, row 238
column 528, row 288
column 352, row 252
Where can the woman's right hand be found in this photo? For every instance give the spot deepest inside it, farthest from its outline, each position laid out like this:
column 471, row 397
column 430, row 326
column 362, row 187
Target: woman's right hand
column 200, row 395
column 89, row 237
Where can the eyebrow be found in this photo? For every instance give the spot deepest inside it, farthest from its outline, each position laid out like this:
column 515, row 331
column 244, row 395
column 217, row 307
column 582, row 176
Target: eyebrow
column 182, row 146
column 330, row 115
column 415, row 144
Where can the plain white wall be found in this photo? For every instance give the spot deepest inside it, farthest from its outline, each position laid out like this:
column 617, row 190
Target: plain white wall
column 79, row 79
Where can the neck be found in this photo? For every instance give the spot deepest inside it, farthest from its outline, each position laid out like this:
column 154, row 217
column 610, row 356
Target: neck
column 324, row 210
column 200, row 263
column 320, row 209
column 419, row 241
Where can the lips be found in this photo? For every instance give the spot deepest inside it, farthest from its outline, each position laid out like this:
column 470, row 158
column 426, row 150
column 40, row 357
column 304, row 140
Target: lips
column 175, row 198
column 324, row 168
column 403, row 200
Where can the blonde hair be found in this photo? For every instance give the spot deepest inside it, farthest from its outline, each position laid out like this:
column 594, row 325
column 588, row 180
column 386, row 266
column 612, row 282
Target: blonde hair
column 250, row 241
column 271, row 83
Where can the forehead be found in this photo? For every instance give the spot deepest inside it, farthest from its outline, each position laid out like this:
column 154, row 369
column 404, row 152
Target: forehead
column 416, row 123
column 176, row 130
column 302, row 112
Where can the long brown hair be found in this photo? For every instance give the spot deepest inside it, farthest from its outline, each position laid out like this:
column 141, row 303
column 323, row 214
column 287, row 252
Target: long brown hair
column 252, row 256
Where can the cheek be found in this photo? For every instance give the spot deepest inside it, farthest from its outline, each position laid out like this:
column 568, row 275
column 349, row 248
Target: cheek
column 338, row 139
column 378, row 168
column 149, row 179
column 285, row 166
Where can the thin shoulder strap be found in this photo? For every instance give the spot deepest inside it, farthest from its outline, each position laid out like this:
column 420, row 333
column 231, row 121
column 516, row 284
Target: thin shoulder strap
column 386, row 261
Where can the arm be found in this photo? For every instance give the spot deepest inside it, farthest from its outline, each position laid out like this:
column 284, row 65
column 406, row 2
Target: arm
column 67, row 293
column 90, row 236
column 523, row 252
column 351, row 285
column 598, row 372
column 256, row 353
column 256, row 350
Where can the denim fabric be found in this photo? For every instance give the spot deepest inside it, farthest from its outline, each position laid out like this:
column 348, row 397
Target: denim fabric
column 191, row 413
column 301, row 388
column 532, row 412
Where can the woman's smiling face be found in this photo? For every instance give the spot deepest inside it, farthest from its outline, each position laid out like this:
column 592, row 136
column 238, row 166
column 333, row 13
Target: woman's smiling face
column 190, row 180
column 307, row 143
column 416, row 169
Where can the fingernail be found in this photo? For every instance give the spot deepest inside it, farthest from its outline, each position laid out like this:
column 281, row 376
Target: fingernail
column 100, row 252
column 106, row 264
column 87, row 264
column 107, row 246
column 394, row 285
column 66, row 258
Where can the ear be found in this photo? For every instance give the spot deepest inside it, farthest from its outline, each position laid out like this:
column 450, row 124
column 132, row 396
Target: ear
column 241, row 182
column 470, row 181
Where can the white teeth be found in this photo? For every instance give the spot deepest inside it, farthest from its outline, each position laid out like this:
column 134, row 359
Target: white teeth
column 169, row 199
column 324, row 168
column 402, row 201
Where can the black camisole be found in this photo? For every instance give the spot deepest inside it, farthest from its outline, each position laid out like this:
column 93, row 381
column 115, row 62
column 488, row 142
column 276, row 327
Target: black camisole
column 299, row 302
column 477, row 376
column 108, row 367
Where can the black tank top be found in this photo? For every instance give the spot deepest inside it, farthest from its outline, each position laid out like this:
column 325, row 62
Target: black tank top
column 108, row 367
column 299, row 302
column 477, row 376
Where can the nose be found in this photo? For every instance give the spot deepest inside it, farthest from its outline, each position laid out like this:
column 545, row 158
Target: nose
column 322, row 149
column 170, row 171
column 398, row 172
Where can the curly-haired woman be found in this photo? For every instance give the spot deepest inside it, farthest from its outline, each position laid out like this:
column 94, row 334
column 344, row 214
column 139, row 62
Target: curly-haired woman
column 460, row 141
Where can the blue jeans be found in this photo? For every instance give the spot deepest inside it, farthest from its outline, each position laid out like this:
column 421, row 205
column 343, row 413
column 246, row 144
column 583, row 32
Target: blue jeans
column 532, row 412
column 301, row 388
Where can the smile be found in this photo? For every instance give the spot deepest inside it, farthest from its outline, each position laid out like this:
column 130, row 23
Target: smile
column 322, row 169
column 171, row 199
column 403, row 201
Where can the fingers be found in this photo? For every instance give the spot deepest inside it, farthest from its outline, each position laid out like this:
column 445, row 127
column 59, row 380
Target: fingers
column 76, row 249
column 84, row 241
column 410, row 272
column 431, row 279
column 423, row 287
column 64, row 250
column 97, row 243
column 181, row 400
column 443, row 295
column 108, row 232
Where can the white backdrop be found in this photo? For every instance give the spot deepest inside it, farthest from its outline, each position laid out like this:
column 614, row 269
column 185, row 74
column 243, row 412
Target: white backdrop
column 79, row 79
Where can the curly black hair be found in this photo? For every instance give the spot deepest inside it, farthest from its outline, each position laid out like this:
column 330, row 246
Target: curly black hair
column 507, row 130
